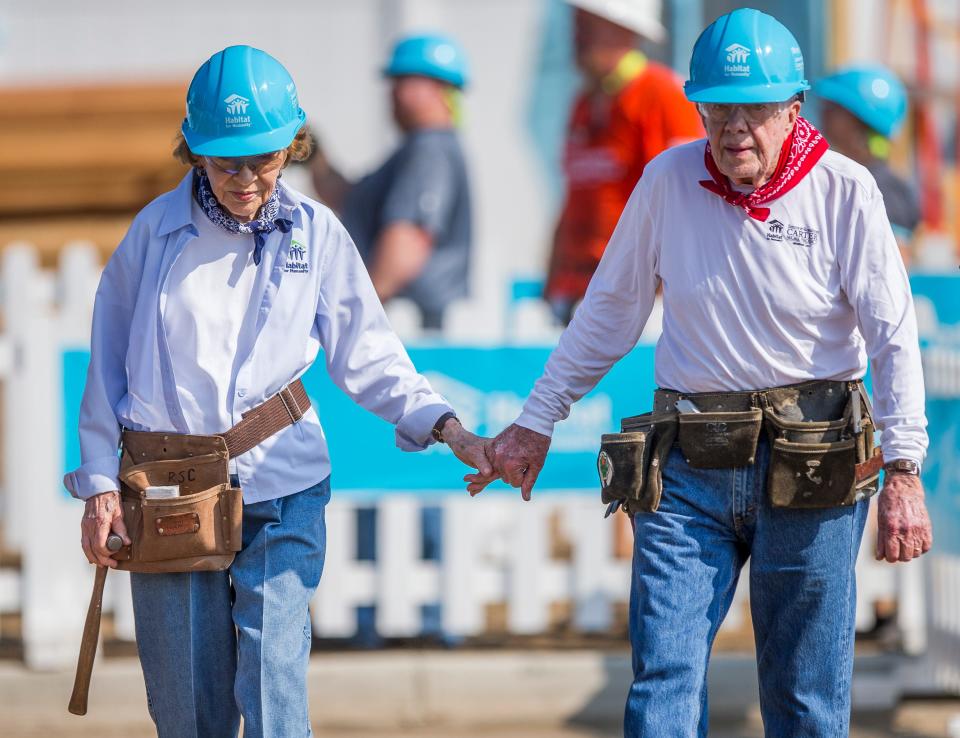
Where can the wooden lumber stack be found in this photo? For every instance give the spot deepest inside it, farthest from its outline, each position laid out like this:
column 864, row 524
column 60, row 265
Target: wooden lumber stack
column 78, row 162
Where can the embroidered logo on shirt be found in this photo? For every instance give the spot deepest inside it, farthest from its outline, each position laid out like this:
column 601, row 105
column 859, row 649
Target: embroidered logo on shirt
column 297, row 259
column 798, row 235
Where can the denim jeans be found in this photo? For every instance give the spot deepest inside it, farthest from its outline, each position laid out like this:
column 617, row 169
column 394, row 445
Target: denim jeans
column 687, row 558
column 218, row 645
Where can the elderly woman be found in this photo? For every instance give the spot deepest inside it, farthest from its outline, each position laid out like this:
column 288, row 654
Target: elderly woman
column 780, row 277
column 214, row 304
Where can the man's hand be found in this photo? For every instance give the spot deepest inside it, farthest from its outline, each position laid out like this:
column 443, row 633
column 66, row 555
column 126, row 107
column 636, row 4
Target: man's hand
column 518, row 455
column 103, row 513
column 903, row 525
column 470, row 449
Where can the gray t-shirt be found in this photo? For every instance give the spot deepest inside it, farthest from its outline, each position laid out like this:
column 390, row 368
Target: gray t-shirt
column 424, row 182
column 899, row 198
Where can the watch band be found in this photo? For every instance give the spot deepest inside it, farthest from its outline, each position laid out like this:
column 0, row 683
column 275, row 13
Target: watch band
column 903, row 466
column 437, row 431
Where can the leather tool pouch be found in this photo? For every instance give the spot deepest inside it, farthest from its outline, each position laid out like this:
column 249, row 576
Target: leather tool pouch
column 720, row 440
column 198, row 530
column 622, row 464
column 642, row 447
column 196, row 523
column 815, row 452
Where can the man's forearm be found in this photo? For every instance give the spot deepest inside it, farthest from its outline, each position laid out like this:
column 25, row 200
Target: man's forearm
column 331, row 186
column 401, row 253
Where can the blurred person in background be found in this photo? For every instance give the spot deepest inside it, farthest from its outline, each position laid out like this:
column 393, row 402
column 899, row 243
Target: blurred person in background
column 411, row 218
column 629, row 110
column 863, row 108
column 215, row 303
column 781, row 279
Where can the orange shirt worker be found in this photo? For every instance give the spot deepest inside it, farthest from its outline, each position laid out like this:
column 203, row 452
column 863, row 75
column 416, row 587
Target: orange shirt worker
column 629, row 110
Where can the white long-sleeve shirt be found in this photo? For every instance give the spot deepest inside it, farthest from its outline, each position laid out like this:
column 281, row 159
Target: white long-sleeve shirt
column 153, row 365
column 809, row 294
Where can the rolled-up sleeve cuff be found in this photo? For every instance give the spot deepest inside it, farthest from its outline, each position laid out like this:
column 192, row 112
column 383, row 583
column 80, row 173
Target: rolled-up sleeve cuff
column 414, row 429
column 531, row 421
column 910, row 452
column 93, row 478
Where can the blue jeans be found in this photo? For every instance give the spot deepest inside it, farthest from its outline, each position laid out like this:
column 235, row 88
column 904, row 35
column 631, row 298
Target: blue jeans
column 687, row 558
column 218, row 645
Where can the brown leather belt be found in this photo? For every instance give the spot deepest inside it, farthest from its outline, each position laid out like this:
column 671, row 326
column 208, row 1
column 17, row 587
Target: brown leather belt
column 269, row 417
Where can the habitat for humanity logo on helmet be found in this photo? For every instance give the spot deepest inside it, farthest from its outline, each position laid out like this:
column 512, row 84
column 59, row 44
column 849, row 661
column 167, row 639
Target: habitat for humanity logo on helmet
column 236, row 111
column 737, row 61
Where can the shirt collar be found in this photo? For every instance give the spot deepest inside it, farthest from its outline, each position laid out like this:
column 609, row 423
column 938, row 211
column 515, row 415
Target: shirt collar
column 288, row 203
column 179, row 211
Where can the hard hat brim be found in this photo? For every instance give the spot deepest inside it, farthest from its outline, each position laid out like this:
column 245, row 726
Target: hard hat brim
column 413, row 70
column 231, row 146
column 746, row 94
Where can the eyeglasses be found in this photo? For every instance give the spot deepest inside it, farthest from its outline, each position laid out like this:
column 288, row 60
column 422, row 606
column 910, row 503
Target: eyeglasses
column 260, row 164
column 753, row 112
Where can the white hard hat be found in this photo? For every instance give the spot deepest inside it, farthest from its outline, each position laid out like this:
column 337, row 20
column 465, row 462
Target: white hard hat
column 642, row 16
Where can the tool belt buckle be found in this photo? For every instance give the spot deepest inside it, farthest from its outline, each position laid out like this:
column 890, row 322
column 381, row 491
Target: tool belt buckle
column 290, row 404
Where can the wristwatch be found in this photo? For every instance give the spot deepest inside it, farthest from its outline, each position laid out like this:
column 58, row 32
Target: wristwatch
column 902, row 466
column 437, row 431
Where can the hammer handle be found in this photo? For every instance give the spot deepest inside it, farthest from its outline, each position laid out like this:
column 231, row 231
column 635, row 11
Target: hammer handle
column 88, row 646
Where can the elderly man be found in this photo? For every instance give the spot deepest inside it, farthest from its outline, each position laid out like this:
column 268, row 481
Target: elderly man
column 780, row 276
column 629, row 110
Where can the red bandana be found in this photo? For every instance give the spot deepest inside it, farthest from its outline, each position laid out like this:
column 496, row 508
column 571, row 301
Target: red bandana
column 802, row 149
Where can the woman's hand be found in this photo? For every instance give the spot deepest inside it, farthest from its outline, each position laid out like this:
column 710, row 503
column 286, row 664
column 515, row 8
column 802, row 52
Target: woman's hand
column 103, row 514
column 470, row 449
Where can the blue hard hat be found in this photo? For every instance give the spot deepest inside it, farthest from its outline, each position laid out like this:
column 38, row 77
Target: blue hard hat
column 429, row 55
column 241, row 102
column 745, row 57
column 872, row 93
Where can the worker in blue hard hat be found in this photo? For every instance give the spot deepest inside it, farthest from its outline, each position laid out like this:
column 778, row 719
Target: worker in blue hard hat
column 212, row 308
column 411, row 217
column 863, row 108
column 781, row 279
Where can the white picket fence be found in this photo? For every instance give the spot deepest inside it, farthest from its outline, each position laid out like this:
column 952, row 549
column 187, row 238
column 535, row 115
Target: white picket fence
column 494, row 550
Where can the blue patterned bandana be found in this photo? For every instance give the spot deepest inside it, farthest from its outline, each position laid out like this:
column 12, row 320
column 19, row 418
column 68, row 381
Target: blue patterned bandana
column 265, row 223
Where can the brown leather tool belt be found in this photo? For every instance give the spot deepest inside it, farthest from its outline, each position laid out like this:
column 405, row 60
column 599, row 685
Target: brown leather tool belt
column 820, row 434
column 197, row 527
column 180, row 510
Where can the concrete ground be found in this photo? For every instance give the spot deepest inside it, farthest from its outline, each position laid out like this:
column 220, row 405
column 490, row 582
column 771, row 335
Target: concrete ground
column 448, row 694
column 718, row 731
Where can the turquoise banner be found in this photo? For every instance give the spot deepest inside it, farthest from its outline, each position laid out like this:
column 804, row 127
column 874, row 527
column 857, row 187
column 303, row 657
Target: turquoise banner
column 487, row 386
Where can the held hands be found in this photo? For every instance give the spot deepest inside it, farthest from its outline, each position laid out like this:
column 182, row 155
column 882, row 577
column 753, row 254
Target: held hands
column 470, row 449
column 517, row 455
column 102, row 514
column 903, row 525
